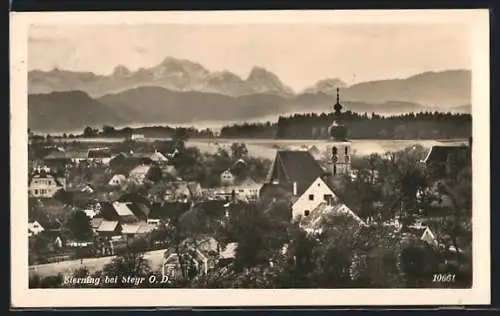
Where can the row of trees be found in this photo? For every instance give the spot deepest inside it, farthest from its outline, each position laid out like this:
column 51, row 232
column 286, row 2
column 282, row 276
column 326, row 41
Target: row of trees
column 422, row 125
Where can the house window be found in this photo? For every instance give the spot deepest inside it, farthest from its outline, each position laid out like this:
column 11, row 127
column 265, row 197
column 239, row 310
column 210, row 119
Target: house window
column 36, row 192
column 327, row 198
column 306, row 212
column 311, row 197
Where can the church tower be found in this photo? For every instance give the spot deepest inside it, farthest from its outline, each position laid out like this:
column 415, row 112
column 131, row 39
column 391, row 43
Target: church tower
column 339, row 147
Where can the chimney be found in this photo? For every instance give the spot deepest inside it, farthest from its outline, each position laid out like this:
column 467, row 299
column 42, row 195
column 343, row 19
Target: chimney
column 295, row 189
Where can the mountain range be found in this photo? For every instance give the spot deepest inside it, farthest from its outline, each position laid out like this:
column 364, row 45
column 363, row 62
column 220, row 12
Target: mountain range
column 182, row 91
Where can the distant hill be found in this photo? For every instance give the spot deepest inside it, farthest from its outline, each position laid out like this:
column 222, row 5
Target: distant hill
column 156, row 105
column 435, row 89
column 443, row 89
column 67, row 111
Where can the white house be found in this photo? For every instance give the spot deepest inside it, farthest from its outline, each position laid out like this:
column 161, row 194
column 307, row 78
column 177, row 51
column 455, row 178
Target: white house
column 319, row 191
column 117, row 180
column 248, row 189
column 34, row 228
column 227, row 178
column 45, row 185
column 137, row 136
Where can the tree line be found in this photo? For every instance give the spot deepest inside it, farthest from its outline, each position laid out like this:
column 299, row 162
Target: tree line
column 422, row 125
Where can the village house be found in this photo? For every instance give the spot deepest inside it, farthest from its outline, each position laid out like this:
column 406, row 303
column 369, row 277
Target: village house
column 247, row 190
column 316, row 220
column 183, row 191
column 120, row 218
column 137, row 136
column 318, row 192
column 227, row 178
column 34, row 228
column 117, row 180
column 438, row 157
column 291, row 173
column 45, row 185
column 139, row 174
column 198, row 259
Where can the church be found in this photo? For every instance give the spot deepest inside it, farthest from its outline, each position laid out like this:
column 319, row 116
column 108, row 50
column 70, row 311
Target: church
column 294, row 171
column 338, row 147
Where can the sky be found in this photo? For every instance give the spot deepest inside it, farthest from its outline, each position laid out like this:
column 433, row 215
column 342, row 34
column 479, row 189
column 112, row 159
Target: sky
column 300, row 54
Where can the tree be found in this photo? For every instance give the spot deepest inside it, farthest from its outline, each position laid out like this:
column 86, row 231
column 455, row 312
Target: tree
column 89, row 132
column 239, row 150
column 155, row 174
column 79, row 225
column 129, row 263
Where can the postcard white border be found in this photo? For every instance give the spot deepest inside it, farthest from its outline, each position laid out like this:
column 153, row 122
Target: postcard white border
column 478, row 294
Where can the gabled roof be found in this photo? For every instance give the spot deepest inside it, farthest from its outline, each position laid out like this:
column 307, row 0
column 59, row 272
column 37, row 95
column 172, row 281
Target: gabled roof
column 122, row 209
column 46, row 175
column 119, row 177
column 107, row 226
column 139, row 170
column 315, row 220
column 295, row 166
column 108, row 212
column 130, row 228
column 439, row 154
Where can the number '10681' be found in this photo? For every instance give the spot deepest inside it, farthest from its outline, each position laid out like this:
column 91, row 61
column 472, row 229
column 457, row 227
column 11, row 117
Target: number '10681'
column 443, row 278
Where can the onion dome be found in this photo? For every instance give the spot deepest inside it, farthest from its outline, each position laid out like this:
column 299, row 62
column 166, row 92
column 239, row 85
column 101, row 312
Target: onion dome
column 337, row 131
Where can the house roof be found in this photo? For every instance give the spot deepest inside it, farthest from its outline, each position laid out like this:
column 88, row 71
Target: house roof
column 107, row 211
column 317, row 216
column 140, row 170
column 439, row 154
column 193, row 186
column 229, row 251
column 119, row 177
column 158, row 156
column 99, row 153
column 46, row 175
column 122, row 209
column 295, row 166
column 140, row 210
column 130, row 228
column 107, row 226
column 134, row 197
